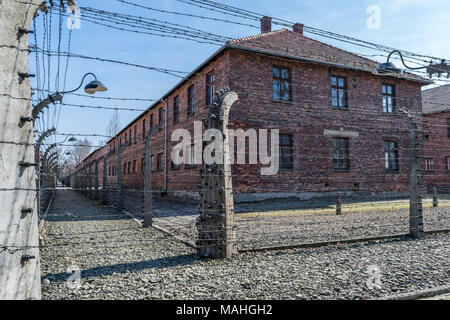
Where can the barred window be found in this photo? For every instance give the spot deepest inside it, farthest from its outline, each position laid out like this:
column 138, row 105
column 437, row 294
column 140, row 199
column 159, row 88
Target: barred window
column 191, row 100
column 448, row 127
column 159, row 162
column 281, row 84
column 388, row 98
column 210, row 82
column 391, row 156
column 143, row 129
column 429, row 165
column 339, row 97
column 160, row 115
column 176, row 110
column 341, row 159
column 286, row 153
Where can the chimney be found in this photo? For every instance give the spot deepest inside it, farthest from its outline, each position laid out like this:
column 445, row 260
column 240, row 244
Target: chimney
column 266, row 24
column 298, row 28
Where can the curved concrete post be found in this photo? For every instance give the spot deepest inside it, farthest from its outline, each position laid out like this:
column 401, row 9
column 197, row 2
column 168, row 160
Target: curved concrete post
column 415, row 205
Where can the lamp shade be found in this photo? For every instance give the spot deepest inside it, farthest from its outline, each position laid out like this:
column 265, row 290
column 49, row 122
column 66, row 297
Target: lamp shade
column 94, row 86
column 389, row 68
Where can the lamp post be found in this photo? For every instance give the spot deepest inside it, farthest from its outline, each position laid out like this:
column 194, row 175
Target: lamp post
column 390, row 69
column 91, row 88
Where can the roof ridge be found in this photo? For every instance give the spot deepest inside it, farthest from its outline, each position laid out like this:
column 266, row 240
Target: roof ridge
column 257, row 36
column 435, row 88
column 334, row 47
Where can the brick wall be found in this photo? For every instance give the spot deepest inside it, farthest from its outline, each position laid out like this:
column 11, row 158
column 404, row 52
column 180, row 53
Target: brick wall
column 305, row 118
column 436, row 147
column 309, row 114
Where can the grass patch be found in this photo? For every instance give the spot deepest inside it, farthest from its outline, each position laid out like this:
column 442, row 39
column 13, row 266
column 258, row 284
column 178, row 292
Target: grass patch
column 346, row 209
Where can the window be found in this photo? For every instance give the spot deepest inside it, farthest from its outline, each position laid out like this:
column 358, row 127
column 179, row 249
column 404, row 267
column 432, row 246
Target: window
column 143, row 129
column 109, row 171
column 142, row 165
column 135, row 134
column 341, row 154
column 339, row 92
column 191, row 100
column 160, row 116
column 134, row 166
column 281, row 84
column 391, row 156
column 448, row 127
column 151, row 122
column 429, row 166
column 447, row 163
column 388, row 98
column 151, row 163
column 210, row 79
column 176, row 110
column 129, row 167
column 126, row 138
column 125, row 168
column 159, row 162
column 286, row 151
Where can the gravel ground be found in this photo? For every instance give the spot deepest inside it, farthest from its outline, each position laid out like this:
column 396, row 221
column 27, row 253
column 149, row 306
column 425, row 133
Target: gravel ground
column 264, row 231
column 120, row 260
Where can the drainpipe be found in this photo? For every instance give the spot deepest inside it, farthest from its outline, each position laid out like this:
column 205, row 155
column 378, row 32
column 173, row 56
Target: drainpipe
column 165, row 143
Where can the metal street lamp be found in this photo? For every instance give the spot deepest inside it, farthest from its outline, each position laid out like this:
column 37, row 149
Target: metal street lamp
column 91, row 88
column 389, row 68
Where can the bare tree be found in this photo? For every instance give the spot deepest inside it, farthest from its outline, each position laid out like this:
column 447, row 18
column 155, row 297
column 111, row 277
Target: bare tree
column 80, row 151
column 113, row 126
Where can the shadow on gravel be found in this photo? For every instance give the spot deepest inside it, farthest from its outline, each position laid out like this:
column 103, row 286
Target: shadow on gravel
column 121, row 268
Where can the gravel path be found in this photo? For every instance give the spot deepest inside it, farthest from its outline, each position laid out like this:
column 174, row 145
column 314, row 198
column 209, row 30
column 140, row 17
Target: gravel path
column 120, row 260
column 359, row 220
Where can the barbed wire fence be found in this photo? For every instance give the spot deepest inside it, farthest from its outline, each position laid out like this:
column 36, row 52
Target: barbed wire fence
column 312, row 209
column 215, row 225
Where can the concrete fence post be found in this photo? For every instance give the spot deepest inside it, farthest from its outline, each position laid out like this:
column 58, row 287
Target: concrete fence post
column 415, row 185
column 104, row 181
column 148, row 197
column 19, row 269
column 216, row 234
column 339, row 204
column 119, row 177
column 435, row 197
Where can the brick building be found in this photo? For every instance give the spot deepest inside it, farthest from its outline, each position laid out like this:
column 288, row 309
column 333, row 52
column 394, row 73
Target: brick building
column 338, row 120
column 436, row 147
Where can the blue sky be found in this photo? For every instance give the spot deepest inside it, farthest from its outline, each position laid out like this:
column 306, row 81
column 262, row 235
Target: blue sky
column 414, row 25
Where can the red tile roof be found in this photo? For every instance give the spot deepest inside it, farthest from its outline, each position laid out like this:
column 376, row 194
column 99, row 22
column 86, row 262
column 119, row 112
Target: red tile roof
column 295, row 45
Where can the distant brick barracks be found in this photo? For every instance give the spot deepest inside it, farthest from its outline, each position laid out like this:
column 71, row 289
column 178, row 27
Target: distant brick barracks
column 436, row 146
column 338, row 121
